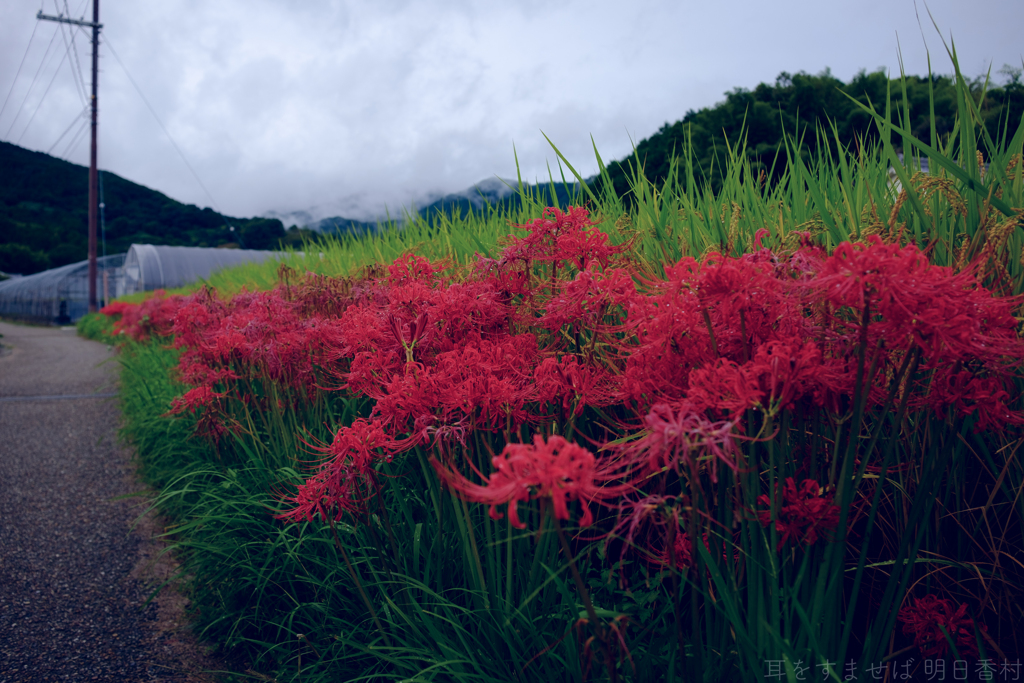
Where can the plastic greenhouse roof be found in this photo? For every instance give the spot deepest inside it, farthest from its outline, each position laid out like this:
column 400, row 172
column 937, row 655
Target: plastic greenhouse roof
column 148, row 266
column 60, row 295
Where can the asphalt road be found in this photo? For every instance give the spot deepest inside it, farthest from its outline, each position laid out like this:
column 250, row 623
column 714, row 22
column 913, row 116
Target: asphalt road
column 71, row 602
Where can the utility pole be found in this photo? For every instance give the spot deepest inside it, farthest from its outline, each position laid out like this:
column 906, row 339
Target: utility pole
column 93, row 175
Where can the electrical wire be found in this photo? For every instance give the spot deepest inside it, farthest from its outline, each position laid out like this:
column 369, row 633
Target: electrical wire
column 43, row 98
column 76, row 64
column 77, row 118
column 162, row 126
column 66, row 155
column 15, row 81
column 32, row 85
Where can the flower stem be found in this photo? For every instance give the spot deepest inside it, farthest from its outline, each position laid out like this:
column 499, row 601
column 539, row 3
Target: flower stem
column 599, row 629
column 580, row 586
column 711, row 332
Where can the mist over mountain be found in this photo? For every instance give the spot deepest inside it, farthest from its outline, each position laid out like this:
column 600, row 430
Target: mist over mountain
column 491, row 194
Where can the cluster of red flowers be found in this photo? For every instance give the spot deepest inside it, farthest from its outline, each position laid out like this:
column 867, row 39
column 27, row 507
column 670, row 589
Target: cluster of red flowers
column 926, row 618
column 561, row 322
column 804, row 514
column 349, row 477
column 152, row 317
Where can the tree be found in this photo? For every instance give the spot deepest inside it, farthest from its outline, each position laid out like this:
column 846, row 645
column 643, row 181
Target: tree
column 17, row 259
column 262, row 233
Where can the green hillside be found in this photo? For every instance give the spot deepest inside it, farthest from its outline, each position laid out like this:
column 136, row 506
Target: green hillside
column 797, row 106
column 44, row 215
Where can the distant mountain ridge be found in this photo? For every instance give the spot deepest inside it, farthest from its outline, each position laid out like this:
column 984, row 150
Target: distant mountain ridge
column 491, row 194
column 44, row 215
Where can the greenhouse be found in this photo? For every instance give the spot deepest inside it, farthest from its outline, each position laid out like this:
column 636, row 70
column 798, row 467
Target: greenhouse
column 148, row 267
column 61, row 295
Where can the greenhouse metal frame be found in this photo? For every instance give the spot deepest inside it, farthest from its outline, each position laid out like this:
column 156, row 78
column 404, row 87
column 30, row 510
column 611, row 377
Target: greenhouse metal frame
column 61, row 295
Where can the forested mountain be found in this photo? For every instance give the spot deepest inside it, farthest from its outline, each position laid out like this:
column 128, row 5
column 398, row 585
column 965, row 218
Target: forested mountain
column 44, row 215
column 801, row 104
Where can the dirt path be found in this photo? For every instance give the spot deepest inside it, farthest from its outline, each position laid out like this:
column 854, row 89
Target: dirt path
column 73, row 575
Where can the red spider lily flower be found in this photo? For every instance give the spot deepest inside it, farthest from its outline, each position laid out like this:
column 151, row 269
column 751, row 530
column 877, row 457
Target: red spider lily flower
column 584, row 246
column 197, row 314
column 573, row 384
column 684, row 553
column 255, row 335
column 728, row 280
column 759, row 235
column 116, row 308
column 643, row 522
column 668, row 337
column 646, row 525
column 413, row 267
column 805, row 263
column 786, row 370
column 486, row 382
column 946, row 314
column 194, row 400
column 416, row 331
column 679, row 433
column 555, row 469
column 561, row 236
column 856, row 272
column 587, row 298
column 348, row 479
column 748, row 304
column 804, row 515
column 966, row 393
column 726, row 387
column 154, row 316
column 926, row 615
column 469, row 308
column 955, row 324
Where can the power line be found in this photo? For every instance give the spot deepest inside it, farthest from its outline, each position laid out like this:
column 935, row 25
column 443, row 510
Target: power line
column 79, row 116
column 78, row 61
column 15, row 81
column 162, row 126
column 66, row 155
column 76, row 66
column 69, row 49
column 32, row 85
column 43, row 98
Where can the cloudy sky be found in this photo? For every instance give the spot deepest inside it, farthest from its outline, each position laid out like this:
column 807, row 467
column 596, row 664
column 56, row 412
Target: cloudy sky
column 343, row 107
